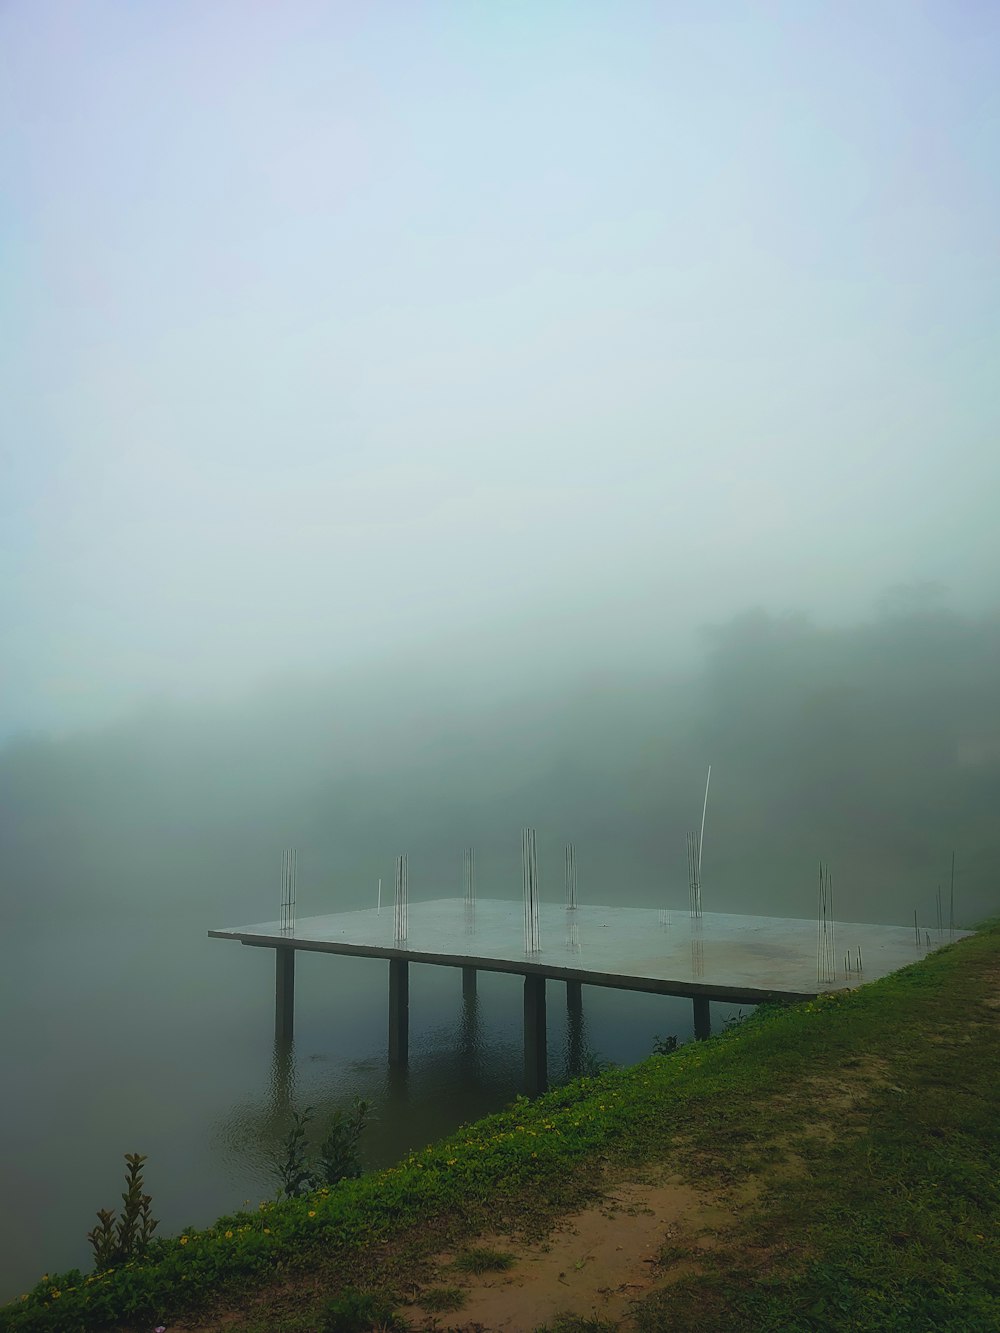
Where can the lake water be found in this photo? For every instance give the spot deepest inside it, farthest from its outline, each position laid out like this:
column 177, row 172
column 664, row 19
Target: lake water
column 136, row 1034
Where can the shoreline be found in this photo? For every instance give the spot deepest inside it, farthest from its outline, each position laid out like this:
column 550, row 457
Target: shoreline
column 808, row 1128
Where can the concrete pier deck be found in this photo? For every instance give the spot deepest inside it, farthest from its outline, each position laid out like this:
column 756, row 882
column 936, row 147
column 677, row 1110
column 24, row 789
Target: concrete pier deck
column 740, row 959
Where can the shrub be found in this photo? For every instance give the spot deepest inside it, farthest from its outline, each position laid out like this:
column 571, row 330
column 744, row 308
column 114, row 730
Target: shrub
column 116, row 1242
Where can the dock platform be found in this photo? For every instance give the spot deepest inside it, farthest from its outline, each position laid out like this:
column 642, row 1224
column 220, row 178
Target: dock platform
column 715, row 956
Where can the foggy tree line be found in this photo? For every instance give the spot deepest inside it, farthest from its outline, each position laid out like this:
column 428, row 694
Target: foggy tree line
column 875, row 745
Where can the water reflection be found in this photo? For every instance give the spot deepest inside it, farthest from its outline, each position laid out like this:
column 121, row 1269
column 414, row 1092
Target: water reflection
column 577, row 1053
column 283, row 1077
column 470, row 1040
column 459, row 1071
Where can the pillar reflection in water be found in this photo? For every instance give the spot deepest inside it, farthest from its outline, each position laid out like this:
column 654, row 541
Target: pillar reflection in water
column 469, row 1038
column 575, row 1031
column 282, row 1087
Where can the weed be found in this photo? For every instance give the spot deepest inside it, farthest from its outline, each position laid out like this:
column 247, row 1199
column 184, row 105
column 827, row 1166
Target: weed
column 293, row 1169
column 481, row 1260
column 442, row 1299
column 338, row 1152
column 572, row 1323
column 664, row 1045
column 356, row 1311
column 593, row 1066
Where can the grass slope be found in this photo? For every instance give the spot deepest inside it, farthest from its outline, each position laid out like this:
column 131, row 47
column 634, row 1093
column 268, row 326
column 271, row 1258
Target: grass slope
column 863, row 1126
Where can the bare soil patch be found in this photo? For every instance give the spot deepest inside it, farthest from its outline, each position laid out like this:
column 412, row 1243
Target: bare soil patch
column 595, row 1264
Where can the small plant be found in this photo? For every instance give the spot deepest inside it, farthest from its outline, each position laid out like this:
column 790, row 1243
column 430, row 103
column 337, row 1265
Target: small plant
column 482, row 1260
column 338, row 1152
column 593, row 1066
column 664, row 1045
column 571, row 1323
column 355, row 1311
column 293, row 1170
column 442, row 1299
column 116, row 1241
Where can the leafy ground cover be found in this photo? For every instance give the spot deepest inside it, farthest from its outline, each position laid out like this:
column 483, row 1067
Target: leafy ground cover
column 860, row 1130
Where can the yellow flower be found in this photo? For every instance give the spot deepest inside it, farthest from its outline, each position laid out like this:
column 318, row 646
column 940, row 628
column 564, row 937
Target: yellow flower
column 184, row 1240
column 229, row 1235
column 312, row 1212
column 267, row 1231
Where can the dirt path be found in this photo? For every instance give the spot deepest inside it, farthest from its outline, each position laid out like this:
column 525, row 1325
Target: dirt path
column 645, row 1234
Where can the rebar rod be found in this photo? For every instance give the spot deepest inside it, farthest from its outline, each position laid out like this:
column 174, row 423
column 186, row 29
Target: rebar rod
column 289, row 869
column 529, row 867
column 401, row 911
column 470, row 876
column 570, row 877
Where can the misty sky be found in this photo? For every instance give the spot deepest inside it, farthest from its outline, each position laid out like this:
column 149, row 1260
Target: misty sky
column 336, row 332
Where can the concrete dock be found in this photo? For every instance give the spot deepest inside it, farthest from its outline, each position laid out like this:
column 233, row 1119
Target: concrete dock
column 739, row 959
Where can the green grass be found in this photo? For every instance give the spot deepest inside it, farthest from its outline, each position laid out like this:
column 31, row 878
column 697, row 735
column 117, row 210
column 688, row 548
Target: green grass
column 480, row 1260
column 359, row 1312
column 880, row 1213
column 571, row 1323
column 894, row 1223
column 441, row 1299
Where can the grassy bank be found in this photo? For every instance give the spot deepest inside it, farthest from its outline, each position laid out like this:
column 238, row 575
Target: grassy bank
column 860, row 1132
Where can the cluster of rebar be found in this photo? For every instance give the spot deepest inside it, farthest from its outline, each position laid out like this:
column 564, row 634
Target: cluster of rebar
column 826, row 956
column 572, row 934
column 698, row 958
column 852, row 964
column 289, row 869
column 951, row 908
column 401, row 911
column 529, row 862
column 570, row 878
column 694, row 874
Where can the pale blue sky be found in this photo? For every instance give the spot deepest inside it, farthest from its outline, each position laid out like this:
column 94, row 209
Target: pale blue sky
column 332, row 331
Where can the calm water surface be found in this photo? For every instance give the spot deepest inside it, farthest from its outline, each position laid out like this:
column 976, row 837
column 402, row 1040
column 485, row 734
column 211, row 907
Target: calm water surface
column 135, row 1034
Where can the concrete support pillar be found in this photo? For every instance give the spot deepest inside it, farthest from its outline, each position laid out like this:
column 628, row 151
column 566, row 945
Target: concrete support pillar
column 468, row 984
column 702, row 1018
column 535, row 1062
column 399, row 1011
column 284, row 993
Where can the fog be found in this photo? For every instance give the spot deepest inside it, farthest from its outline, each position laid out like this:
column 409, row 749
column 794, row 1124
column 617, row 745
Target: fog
column 423, row 421
column 368, row 340
column 875, row 747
